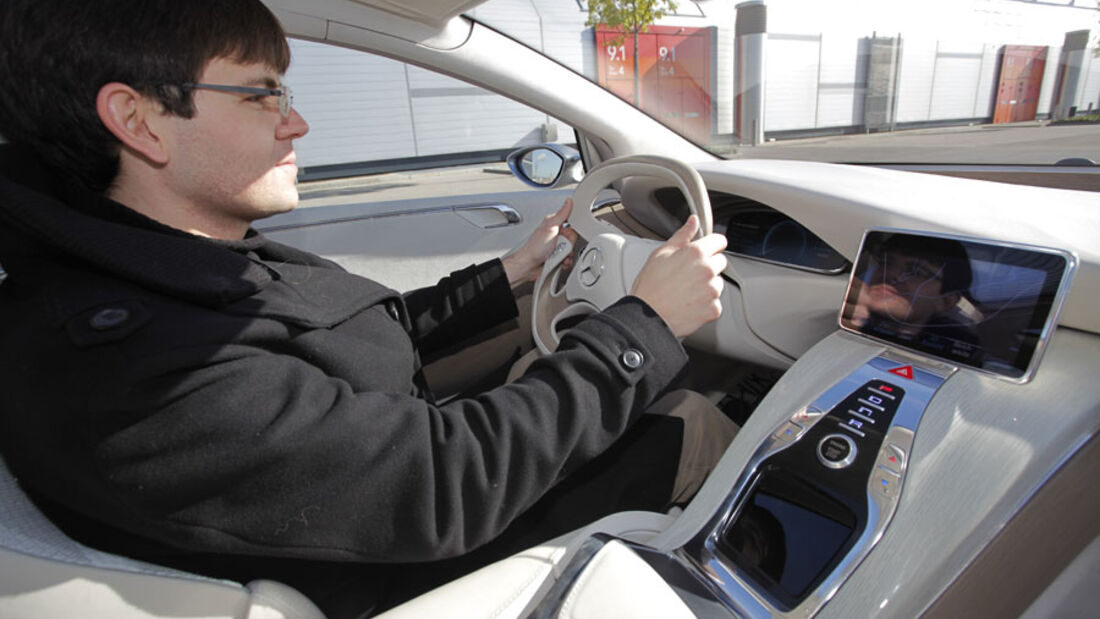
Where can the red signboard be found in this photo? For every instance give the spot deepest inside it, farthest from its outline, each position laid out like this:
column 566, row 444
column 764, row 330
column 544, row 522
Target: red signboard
column 675, row 69
column 1021, row 78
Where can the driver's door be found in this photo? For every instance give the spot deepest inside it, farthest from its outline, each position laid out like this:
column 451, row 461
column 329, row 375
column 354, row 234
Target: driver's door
column 403, row 177
column 402, row 172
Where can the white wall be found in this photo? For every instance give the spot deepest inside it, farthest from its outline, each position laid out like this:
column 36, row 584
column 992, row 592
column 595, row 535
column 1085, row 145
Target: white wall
column 790, row 89
column 840, row 90
column 1007, row 22
column 915, row 78
column 364, row 108
column 1089, row 91
column 357, row 105
column 958, row 70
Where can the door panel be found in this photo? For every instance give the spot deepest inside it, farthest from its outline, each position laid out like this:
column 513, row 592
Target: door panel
column 391, row 193
column 406, row 244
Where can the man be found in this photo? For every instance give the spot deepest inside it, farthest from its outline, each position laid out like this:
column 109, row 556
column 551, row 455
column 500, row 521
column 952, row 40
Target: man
column 180, row 389
column 914, row 291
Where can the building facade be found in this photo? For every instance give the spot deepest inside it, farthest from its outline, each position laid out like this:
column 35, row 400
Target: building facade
column 723, row 72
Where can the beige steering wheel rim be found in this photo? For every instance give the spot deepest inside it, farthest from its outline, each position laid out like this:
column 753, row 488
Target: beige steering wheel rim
column 610, row 261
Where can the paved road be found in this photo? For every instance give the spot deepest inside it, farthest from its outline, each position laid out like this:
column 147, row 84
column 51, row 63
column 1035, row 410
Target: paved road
column 1036, row 143
column 457, row 181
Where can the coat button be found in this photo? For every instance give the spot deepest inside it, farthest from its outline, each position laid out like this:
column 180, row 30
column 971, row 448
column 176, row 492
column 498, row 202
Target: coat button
column 632, row 359
column 109, row 318
column 391, row 309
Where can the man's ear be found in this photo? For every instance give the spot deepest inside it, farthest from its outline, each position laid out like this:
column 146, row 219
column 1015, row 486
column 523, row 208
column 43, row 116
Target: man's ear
column 132, row 118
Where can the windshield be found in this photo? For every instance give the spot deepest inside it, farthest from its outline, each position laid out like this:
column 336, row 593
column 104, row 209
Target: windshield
column 861, row 81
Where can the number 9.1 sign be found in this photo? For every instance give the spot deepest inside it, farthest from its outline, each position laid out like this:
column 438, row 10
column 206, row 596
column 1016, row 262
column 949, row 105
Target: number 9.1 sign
column 674, row 74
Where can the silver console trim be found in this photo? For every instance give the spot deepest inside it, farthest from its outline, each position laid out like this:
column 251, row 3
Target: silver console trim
column 741, row 595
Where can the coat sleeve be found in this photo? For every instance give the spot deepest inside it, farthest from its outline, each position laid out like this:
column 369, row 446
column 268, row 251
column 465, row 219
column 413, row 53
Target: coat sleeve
column 258, row 453
column 460, row 306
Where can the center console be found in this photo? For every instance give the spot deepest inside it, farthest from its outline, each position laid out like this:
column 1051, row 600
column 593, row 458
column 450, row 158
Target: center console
column 820, row 489
column 818, row 493
column 813, row 501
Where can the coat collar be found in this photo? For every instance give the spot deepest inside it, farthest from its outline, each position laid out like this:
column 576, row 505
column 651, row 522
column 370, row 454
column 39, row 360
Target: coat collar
column 40, row 215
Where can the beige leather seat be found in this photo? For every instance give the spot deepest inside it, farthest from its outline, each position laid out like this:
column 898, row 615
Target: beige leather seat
column 44, row 573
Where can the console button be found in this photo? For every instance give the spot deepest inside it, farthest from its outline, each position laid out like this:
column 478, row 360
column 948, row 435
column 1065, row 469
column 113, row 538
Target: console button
column 890, row 465
column 789, row 432
column 885, row 484
column 883, row 393
column 896, row 454
column 891, row 458
column 836, row 451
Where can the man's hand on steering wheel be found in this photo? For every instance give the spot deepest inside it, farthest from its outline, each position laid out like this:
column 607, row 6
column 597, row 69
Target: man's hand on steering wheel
column 678, row 279
column 682, row 280
column 526, row 262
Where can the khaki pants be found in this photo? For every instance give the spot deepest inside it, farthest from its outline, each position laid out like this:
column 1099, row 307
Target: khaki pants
column 707, row 432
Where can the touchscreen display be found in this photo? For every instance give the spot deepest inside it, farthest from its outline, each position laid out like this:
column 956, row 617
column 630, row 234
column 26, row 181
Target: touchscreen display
column 983, row 305
column 787, row 536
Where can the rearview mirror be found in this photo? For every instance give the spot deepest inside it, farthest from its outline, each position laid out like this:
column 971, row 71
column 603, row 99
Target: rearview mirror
column 546, row 166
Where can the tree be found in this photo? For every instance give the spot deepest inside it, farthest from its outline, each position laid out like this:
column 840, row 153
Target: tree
column 630, row 17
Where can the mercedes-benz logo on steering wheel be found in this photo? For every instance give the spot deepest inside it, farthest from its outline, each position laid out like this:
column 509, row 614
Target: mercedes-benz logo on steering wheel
column 591, row 266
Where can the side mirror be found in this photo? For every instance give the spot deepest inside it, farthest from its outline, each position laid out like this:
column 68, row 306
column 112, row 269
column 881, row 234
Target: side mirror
column 546, row 166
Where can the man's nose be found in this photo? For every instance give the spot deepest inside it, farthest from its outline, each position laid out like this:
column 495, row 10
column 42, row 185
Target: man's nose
column 293, row 127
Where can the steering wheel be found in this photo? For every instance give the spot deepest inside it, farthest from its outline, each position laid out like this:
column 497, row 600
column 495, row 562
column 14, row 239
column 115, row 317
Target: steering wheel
column 608, row 262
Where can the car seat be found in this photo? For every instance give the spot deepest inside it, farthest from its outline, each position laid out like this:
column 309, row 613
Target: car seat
column 45, row 573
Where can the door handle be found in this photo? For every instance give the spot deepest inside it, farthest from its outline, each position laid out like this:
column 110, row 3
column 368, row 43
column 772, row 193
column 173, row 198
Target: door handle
column 489, row 216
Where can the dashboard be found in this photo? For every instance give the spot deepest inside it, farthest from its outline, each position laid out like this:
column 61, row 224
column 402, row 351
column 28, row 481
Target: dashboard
column 755, row 230
column 894, row 500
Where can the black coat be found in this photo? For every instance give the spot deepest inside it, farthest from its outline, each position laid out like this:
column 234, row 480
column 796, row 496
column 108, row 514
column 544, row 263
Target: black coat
column 249, row 398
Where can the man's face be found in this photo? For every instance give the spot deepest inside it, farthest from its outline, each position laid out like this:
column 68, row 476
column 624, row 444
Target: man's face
column 908, row 289
column 233, row 161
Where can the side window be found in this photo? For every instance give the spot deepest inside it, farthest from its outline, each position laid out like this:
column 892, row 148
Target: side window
column 370, row 115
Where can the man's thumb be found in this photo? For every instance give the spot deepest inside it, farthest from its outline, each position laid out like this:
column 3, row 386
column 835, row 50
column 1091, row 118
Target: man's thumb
column 686, row 233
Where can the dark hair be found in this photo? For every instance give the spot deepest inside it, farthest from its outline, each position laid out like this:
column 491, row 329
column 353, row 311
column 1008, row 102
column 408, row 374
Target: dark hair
column 55, row 55
column 951, row 254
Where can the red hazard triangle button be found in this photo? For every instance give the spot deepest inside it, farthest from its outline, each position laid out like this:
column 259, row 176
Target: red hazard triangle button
column 905, row 371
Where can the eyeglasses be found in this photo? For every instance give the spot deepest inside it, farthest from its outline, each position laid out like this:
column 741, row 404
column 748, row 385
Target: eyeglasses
column 286, row 98
column 904, row 269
